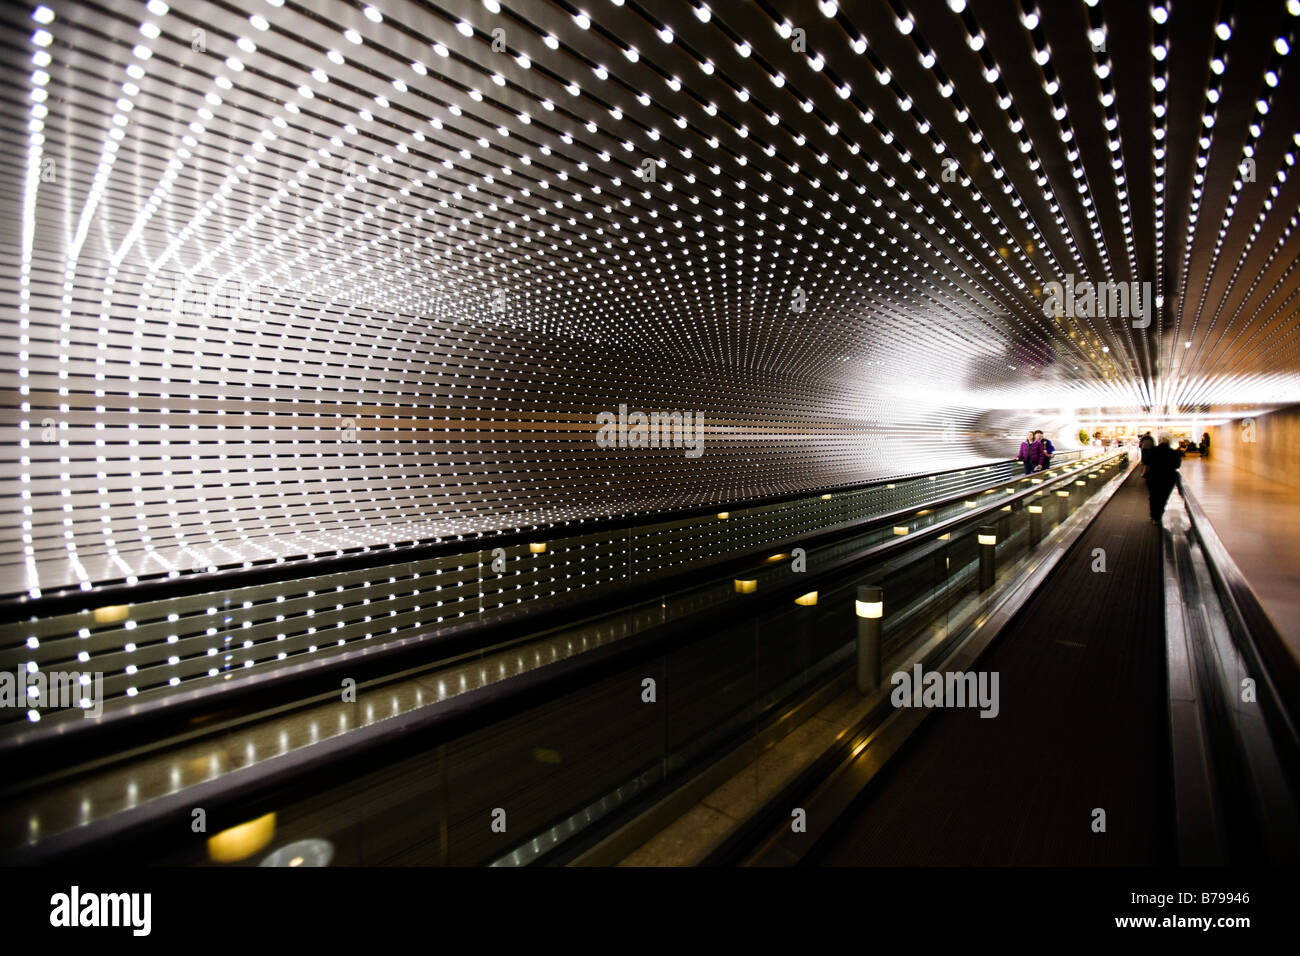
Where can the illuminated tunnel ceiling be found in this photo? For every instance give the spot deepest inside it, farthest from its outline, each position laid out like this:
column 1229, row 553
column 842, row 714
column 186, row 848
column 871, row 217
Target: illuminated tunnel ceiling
column 292, row 278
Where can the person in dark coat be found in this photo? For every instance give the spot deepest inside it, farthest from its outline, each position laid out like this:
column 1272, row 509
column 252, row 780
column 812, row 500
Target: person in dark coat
column 1146, row 445
column 1161, row 465
column 1046, row 449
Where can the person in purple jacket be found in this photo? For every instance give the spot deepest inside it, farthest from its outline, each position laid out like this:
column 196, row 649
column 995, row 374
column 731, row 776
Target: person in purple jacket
column 1024, row 455
column 1037, row 453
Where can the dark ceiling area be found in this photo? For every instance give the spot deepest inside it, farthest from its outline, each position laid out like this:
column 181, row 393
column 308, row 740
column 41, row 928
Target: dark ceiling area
column 287, row 278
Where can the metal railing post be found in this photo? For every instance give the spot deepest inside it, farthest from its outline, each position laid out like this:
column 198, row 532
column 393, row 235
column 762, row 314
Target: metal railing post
column 870, row 608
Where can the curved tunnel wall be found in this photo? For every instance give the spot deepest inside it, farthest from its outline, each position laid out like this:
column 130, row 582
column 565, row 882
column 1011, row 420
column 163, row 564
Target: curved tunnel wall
column 156, row 440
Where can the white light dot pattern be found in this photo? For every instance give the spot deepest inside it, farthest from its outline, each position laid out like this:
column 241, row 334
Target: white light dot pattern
column 294, row 280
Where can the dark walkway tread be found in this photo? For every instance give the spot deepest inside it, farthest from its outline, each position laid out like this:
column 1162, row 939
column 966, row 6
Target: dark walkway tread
column 1083, row 725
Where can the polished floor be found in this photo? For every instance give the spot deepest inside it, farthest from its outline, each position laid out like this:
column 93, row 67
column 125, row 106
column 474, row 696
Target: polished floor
column 1258, row 521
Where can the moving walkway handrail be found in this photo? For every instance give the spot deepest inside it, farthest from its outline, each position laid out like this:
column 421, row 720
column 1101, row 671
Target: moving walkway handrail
column 62, row 600
column 1271, row 663
column 246, row 792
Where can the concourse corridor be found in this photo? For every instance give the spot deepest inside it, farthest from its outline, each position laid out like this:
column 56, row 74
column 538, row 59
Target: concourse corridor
column 481, row 434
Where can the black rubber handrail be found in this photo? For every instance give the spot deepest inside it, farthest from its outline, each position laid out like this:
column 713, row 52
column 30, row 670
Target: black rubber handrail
column 69, row 599
column 1270, row 660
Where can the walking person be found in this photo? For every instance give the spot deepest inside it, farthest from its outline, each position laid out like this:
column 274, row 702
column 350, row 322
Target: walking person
column 1145, row 446
column 1160, row 468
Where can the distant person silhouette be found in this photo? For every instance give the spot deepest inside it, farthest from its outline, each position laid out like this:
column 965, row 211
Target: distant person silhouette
column 1160, row 468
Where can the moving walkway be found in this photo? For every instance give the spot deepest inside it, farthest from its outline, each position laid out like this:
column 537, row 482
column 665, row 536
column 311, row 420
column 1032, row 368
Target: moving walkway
column 580, row 693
